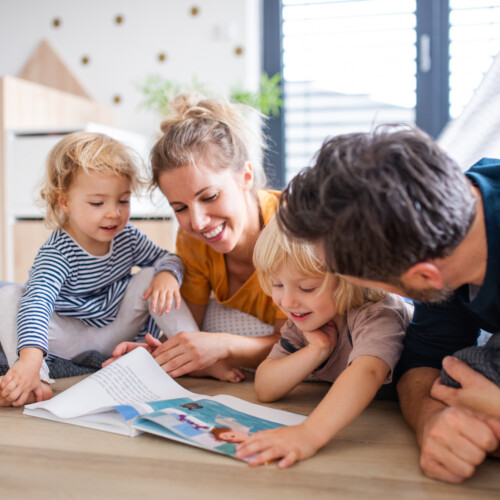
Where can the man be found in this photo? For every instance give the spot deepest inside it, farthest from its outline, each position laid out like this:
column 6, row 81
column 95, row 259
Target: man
column 390, row 209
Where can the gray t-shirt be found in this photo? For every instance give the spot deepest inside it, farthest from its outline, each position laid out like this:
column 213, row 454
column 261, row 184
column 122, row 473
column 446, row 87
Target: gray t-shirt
column 373, row 329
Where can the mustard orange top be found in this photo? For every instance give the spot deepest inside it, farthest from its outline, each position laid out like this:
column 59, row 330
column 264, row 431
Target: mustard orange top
column 205, row 270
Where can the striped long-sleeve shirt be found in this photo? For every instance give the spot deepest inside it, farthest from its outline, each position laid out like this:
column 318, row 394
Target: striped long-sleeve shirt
column 67, row 279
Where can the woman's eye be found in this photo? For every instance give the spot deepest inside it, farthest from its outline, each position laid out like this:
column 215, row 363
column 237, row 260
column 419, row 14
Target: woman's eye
column 308, row 290
column 277, row 285
column 211, row 198
column 177, row 210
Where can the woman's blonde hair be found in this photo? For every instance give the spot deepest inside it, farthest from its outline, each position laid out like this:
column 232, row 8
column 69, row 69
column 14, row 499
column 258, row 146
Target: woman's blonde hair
column 90, row 153
column 274, row 249
column 225, row 134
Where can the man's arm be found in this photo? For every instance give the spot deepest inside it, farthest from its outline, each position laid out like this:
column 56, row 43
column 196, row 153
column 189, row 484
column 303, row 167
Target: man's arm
column 453, row 440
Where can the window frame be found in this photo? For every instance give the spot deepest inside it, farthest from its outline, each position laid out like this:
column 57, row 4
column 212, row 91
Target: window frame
column 432, row 106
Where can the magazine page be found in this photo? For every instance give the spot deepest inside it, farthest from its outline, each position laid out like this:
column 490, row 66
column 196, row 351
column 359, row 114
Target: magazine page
column 134, row 378
column 205, row 423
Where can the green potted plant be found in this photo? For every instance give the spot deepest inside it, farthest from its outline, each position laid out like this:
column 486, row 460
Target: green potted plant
column 158, row 91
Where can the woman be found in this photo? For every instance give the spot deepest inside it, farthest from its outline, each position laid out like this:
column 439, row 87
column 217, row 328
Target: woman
column 208, row 166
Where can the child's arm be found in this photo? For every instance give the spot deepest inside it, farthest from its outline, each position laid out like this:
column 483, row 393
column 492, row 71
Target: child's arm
column 163, row 290
column 276, row 377
column 348, row 397
column 24, row 377
column 146, row 253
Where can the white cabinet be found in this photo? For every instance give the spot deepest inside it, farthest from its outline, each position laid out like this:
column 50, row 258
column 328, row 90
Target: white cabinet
column 33, row 118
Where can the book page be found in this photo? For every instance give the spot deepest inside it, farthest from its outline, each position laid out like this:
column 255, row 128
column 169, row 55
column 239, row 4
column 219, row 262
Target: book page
column 204, row 423
column 136, row 377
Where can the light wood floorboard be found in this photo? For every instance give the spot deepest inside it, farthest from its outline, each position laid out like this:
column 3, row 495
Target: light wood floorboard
column 374, row 457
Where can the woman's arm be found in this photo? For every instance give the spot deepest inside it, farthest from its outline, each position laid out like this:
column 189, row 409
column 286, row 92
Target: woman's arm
column 348, row 397
column 189, row 352
column 193, row 351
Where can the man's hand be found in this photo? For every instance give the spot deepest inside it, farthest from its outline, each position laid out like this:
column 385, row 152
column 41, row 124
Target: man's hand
column 477, row 393
column 454, row 441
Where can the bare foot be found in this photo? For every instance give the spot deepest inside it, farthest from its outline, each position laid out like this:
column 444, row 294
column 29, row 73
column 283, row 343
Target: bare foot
column 221, row 370
column 46, row 394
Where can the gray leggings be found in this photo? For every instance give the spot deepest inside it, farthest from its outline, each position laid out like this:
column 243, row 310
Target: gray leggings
column 69, row 337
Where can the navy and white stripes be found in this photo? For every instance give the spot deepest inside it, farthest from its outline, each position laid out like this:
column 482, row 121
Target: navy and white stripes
column 67, row 279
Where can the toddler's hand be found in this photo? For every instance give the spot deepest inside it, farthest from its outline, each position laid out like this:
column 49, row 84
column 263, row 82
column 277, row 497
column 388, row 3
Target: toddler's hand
column 291, row 444
column 163, row 290
column 20, row 381
column 325, row 339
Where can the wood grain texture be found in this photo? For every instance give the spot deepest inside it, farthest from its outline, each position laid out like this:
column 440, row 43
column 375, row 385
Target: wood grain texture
column 46, row 67
column 374, row 457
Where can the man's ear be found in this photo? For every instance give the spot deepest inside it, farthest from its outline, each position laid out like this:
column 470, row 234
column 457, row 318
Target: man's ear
column 423, row 275
column 62, row 200
column 248, row 176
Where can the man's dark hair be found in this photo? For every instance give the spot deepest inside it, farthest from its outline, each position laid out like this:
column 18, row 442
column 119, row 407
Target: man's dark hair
column 380, row 202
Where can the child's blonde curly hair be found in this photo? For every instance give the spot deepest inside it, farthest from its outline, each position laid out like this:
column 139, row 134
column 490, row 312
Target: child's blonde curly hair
column 91, row 153
column 274, row 249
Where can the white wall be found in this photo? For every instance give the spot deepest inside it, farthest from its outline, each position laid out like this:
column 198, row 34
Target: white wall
column 121, row 54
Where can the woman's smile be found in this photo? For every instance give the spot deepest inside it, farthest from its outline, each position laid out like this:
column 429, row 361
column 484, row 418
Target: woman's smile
column 213, row 234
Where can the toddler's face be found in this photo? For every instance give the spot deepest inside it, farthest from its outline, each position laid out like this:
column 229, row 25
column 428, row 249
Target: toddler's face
column 299, row 297
column 98, row 208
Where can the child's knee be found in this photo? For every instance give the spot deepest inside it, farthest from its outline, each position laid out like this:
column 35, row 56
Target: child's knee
column 141, row 280
column 10, row 297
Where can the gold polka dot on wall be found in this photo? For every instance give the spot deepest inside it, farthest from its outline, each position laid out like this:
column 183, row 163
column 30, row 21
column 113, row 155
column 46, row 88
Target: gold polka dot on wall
column 117, row 99
column 85, row 60
column 238, row 51
column 56, row 22
column 162, row 57
column 195, row 11
column 119, row 19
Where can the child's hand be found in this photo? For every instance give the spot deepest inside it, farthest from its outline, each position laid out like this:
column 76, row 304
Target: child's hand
column 23, row 378
column 325, row 339
column 163, row 290
column 291, row 444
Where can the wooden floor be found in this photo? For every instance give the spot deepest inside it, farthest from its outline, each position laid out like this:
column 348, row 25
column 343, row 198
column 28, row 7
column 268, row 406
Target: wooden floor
column 375, row 457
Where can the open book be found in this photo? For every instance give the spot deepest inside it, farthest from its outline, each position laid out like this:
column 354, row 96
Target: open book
column 134, row 395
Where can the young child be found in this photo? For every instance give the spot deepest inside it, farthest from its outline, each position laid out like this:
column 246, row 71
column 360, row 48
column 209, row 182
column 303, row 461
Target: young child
column 81, row 294
column 339, row 332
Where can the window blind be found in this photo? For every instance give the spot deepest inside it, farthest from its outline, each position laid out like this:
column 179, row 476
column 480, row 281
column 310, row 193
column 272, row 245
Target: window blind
column 474, row 43
column 347, row 66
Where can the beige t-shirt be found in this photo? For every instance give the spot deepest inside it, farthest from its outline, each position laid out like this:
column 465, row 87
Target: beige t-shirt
column 374, row 329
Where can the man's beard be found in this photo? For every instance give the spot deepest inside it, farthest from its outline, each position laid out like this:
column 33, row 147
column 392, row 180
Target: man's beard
column 431, row 295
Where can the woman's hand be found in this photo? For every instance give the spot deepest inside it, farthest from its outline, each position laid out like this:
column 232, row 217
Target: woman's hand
column 187, row 352
column 291, row 444
column 125, row 347
column 477, row 392
column 163, row 290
